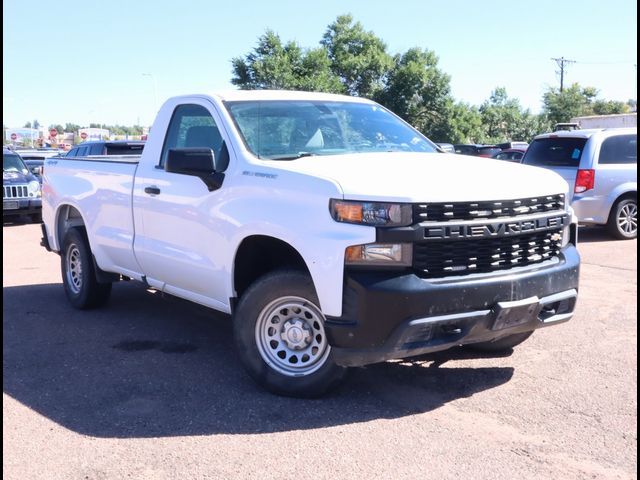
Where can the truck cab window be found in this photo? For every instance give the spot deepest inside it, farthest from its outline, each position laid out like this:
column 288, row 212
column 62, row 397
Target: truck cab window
column 192, row 126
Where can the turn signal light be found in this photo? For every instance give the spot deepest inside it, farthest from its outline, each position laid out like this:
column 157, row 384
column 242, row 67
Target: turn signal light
column 348, row 212
column 585, row 180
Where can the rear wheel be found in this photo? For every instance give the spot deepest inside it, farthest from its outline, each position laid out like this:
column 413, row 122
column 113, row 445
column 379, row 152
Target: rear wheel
column 503, row 344
column 623, row 220
column 280, row 336
column 78, row 272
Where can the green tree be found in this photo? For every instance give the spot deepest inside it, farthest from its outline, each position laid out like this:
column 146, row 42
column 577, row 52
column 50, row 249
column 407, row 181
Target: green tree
column 59, row 128
column 465, row 125
column 419, row 92
column 27, row 125
column 573, row 101
column 609, row 107
column 36, row 124
column 358, row 57
column 274, row 65
column 315, row 74
column 504, row 119
column 71, row 127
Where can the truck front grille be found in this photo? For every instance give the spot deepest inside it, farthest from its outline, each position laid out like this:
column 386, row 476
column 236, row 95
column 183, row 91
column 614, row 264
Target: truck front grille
column 445, row 212
column 445, row 258
column 15, row 191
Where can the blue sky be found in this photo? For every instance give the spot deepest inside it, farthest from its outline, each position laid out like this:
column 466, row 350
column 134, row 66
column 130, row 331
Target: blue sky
column 83, row 61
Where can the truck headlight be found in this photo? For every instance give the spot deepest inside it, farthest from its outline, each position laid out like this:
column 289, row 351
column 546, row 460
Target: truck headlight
column 376, row 214
column 379, row 254
column 34, row 189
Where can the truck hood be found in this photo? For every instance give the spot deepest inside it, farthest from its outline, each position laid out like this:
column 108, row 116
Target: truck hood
column 428, row 177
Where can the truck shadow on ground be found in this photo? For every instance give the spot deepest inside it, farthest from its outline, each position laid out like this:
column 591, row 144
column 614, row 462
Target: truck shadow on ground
column 153, row 367
column 593, row 234
column 16, row 221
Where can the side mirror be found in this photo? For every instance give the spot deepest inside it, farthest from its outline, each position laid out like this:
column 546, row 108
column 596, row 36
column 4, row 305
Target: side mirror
column 197, row 162
column 37, row 170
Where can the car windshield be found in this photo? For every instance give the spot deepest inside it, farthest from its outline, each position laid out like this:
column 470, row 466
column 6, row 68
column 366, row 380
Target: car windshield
column 286, row 130
column 555, row 152
column 12, row 163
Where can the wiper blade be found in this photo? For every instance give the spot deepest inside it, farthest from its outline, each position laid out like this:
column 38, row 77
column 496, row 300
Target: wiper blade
column 294, row 157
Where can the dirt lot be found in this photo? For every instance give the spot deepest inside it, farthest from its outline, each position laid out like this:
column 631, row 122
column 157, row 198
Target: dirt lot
column 150, row 387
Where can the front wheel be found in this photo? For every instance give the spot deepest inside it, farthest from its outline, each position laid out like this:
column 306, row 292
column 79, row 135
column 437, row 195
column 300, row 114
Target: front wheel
column 503, row 344
column 78, row 272
column 623, row 220
column 280, row 337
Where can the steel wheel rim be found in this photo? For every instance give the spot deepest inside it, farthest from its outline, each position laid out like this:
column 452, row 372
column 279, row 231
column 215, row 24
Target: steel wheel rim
column 290, row 336
column 74, row 268
column 628, row 219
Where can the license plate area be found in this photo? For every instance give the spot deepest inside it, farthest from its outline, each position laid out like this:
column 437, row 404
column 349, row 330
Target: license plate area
column 512, row 314
column 11, row 205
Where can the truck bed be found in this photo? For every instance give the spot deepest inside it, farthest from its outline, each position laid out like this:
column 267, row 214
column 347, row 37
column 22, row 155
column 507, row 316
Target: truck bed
column 101, row 188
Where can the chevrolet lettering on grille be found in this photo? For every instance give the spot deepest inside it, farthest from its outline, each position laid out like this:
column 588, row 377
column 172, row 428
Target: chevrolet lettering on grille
column 489, row 230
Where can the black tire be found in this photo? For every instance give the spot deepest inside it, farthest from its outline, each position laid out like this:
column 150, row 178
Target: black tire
column 624, row 208
column 503, row 344
column 261, row 307
column 78, row 272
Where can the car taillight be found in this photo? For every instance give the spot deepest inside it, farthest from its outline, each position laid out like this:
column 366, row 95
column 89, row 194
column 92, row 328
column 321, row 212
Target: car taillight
column 585, row 180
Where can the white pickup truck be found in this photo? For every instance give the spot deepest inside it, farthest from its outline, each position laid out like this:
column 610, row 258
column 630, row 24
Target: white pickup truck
column 334, row 233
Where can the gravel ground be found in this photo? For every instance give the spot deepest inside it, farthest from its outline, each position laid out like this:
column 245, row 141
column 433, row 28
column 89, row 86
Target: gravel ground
column 150, row 388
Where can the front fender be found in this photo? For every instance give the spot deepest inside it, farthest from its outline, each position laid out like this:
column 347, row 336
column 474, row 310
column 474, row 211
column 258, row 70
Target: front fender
column 321, row 247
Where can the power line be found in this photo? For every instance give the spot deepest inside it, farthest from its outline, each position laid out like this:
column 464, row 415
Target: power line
column 561, row 63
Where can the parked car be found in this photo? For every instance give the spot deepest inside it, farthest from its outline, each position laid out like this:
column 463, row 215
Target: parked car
column 518, row 145
column 510, row 155
column 106, row 147
column 21, row 192
column 602, row 167
column 477, row 150
column 34, row 159
column 333, row 232
column 447, row 147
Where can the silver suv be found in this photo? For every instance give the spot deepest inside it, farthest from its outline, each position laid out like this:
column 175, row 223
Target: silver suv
column 602, row 166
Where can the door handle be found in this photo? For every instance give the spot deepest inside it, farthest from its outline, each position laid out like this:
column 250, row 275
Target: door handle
column 153, row 190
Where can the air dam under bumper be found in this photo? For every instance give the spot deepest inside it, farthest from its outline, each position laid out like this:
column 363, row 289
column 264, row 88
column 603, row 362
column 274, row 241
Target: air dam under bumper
column 388, row 316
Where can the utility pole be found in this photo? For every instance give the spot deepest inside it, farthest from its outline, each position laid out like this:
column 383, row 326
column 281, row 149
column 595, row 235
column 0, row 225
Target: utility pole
column 561, row 63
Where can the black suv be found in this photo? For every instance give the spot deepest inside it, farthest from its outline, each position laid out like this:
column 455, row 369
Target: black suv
column 21, row 194
column 106, row 147
column 477, row 150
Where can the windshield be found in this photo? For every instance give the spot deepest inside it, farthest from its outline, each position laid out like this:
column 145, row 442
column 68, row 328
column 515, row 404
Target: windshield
column 285, row 130
column 13, row 163
column 555, row 152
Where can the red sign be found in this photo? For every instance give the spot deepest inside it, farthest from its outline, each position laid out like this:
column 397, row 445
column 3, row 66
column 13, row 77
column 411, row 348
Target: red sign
column 14, row 136
column 83, row 135
column 53, row 132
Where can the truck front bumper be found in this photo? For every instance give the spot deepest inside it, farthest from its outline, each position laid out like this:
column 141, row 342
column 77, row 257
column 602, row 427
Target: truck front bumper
column 388, row 316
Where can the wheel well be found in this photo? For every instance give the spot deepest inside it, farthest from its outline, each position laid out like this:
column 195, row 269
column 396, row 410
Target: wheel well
column 68, row 217
column 624, row 196
column 258, row 255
